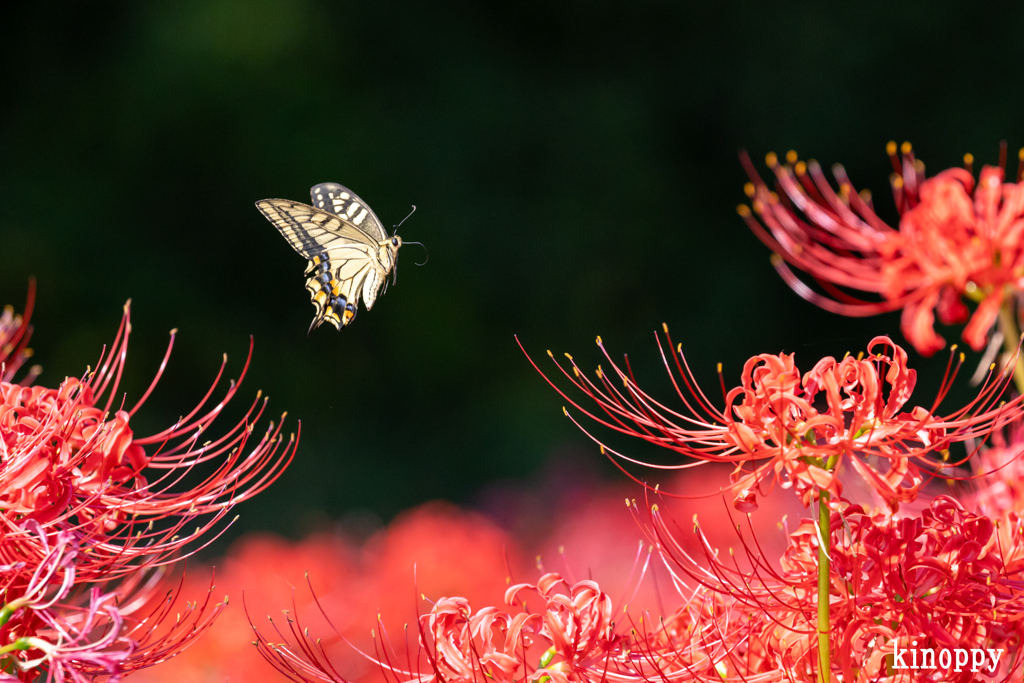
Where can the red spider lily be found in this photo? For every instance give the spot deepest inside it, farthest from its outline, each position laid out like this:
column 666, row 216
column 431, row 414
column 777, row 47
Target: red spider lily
column 996, row 487
column 455, row 552
column 53, row 630
column 15, row 333
column 955, row 238
column 570, row 637
column 70, row 465
column 947, row 579
column 552, row 631
column 91, row 512
column 797, row 429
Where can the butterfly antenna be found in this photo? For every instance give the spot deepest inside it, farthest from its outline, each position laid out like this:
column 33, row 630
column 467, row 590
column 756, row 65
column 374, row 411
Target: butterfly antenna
column 424, row 251
column 396, row 227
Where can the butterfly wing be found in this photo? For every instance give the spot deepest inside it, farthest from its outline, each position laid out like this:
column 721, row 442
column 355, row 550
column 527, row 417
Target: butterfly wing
column 343, row 202
column 342, row 253
column 309, row 230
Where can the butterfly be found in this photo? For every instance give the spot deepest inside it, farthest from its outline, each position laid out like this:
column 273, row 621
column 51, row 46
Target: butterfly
column 350, row 255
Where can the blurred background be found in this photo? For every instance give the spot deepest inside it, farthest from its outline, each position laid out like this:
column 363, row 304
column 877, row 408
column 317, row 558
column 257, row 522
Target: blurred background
column 575, row 172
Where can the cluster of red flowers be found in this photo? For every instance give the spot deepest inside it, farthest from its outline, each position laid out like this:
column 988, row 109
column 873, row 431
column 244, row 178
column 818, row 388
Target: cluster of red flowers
column 858, row 585
column 799, row 429
column 91, row 512
column 428, row 553
column 944, row 579
column 86, row 520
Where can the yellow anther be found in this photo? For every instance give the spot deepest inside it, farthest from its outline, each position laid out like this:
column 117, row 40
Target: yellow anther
column 743, row 210
column 791, row 156
column 865, row 195
column 719, row 368
column 749, row 189
column 598, row 340
column 771, row 159
column 801, row 168
column 968, row 159
column 905, row 147
column 897, row 182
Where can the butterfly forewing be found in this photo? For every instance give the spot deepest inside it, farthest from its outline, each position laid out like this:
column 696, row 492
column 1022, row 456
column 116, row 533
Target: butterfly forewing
column 309, row 230
column 345, row 203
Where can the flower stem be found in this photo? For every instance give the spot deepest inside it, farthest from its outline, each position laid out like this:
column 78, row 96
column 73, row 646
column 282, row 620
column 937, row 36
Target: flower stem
column 1011, row 338
column 824, row 583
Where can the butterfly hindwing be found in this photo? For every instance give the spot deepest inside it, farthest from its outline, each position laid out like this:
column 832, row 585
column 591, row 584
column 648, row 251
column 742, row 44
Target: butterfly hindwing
column 350, row 255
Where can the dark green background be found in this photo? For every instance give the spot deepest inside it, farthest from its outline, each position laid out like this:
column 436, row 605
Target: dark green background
column 575, row 171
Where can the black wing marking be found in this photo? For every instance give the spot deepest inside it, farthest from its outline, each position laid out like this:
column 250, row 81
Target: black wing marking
column 343, row 202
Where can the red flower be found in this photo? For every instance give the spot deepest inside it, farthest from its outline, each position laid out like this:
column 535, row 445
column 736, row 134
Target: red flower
column 15, row 332
column 995, row 488
column 579, row 624
column 570, row 637
column 71, row 465
column 89, row 512
column 799, row 429
column 72, row 633
column 955, row 239
column 946, row 579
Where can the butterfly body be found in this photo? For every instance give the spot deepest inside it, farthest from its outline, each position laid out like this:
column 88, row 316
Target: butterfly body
column 350, row 255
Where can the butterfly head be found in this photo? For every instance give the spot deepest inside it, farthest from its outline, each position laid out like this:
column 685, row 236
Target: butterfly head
column 389, row 248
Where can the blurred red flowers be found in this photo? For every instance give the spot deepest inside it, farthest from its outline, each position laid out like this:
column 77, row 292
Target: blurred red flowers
column 430, row 553
column 955, row 239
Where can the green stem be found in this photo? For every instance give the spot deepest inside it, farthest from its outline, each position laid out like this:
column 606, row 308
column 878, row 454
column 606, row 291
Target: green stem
column 19, row 644
column 824, row 583
column 1011, row 338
